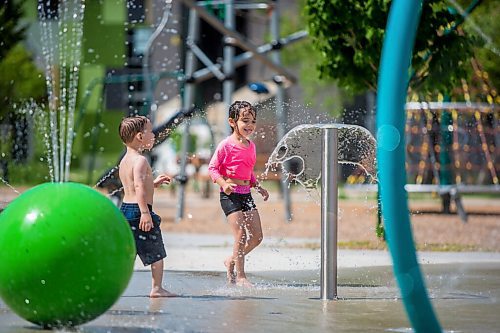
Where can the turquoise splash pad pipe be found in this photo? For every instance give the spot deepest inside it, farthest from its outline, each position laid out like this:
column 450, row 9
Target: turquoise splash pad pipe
column 392, row 89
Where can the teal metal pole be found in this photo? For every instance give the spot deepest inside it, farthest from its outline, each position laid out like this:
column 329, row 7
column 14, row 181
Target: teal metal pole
column 445, row 174
column 392, row 90
column 445, row 163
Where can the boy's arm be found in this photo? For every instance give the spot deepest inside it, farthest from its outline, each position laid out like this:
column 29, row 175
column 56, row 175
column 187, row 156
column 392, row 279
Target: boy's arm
column 162, row 179
column 140, row 172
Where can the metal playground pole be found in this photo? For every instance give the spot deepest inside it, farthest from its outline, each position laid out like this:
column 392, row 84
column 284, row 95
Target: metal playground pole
column 329, row 209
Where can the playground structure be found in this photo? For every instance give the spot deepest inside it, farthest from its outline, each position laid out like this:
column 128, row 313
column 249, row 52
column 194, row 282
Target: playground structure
column 456, row 146
column 452, row 148
column 473, row 147
column 191, row 77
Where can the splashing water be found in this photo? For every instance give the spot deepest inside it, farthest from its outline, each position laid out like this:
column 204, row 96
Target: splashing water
column 9, row 186
column 301, row 149
column 110, row 173
column 61, row 35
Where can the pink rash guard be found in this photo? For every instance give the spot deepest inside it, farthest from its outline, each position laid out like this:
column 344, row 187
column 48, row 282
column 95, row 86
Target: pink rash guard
column 233, row 160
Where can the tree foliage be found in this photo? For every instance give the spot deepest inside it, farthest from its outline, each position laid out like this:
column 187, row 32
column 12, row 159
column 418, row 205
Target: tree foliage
column 322, row 95
column 483, row 22
column 21, row 79
column 10, row 31
column 349, row 37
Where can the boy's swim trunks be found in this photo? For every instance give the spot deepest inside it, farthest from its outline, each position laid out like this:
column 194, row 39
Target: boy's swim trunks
column 149, row 244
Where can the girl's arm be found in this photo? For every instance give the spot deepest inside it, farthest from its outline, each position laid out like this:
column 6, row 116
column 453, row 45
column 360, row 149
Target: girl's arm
column 255, row 184
column 228, row 188
column 214, row 167
column 262, row 191
column 253, row 180
column 215, row 164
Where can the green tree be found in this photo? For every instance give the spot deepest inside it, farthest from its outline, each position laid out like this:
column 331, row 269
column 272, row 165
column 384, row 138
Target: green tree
column 483, row 22
column 11, row 31
column 323, row 95
column 14, row 60
column 349, row 37
column 21, row 79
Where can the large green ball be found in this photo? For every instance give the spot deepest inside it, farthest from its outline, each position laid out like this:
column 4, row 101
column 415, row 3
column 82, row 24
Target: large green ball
column 66, row 254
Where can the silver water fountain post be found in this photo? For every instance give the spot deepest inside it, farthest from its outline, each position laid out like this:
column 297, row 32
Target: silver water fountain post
column 329, row 208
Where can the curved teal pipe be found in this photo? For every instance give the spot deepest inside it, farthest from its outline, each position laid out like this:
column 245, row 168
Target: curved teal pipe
column 392, row 89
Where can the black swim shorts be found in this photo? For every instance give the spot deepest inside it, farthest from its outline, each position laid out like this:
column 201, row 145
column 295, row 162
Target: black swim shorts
column 149, row 244
column 235, row 202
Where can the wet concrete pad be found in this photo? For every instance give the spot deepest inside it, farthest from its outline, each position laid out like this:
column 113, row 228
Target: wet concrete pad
column 465, row 297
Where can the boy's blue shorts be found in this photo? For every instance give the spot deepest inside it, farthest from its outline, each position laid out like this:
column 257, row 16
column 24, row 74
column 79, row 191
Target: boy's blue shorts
column 149, row 244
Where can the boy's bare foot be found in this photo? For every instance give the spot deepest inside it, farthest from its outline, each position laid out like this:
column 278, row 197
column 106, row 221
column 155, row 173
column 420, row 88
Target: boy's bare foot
column 231, row 276
column 160, row 292
column 243, row 282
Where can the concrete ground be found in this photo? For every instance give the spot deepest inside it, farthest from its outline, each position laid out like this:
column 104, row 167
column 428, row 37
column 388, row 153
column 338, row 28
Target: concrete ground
column 464, row 288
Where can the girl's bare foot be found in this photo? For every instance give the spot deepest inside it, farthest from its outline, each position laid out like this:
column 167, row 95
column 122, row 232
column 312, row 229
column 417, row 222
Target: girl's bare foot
column 231, row 276
column 243, row 282
column 160, row 292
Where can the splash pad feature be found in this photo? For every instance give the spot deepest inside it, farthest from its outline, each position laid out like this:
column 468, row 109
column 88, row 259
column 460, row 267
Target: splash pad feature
column 340, row 143
column 66, row 254
column 392, row 88
column 299, row 152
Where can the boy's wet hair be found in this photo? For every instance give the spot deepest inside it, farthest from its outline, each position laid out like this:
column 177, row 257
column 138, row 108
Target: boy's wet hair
column 237, row 107
column 130, row 126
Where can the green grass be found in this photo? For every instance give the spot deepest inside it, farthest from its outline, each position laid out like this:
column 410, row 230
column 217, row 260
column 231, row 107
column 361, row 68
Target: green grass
column 449, row 248
column 371, row 245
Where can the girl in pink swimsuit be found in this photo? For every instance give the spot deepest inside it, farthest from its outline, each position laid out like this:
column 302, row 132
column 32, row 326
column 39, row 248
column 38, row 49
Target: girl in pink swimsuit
column 231, row 167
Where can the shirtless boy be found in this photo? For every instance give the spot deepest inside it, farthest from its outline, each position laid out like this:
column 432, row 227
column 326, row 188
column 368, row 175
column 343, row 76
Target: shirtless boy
column 138, row 186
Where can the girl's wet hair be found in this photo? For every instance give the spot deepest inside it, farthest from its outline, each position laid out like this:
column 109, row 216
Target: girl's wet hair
column 236, row 109
column 130, row 126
